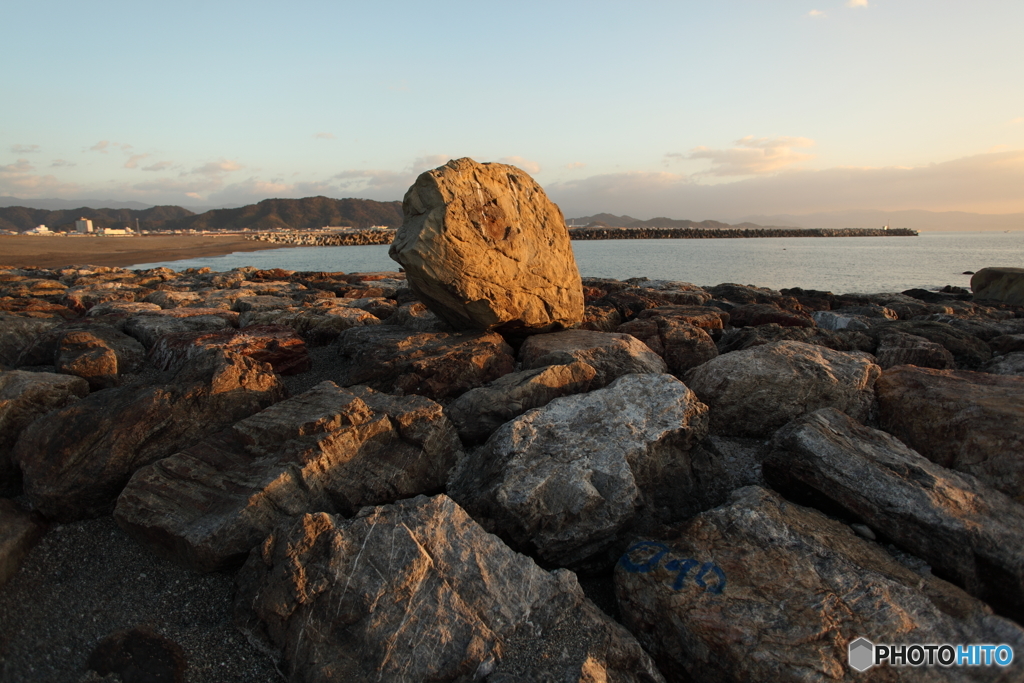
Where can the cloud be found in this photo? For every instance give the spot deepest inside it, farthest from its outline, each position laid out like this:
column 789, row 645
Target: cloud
column 856, row 3
column 983, row 183
column 529, row 166
column 817, row 14
column 574, row 165
column 103, row 146
column 25, row 149
column 1019, row 119
column 158, row 166
column 753, row 156
column 19, row 180
column 323, row 136
column 58, row 163
column 216, row 168
column 133, row 160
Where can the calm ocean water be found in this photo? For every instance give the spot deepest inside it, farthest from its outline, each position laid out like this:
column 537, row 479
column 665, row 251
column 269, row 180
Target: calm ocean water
column 837, row 264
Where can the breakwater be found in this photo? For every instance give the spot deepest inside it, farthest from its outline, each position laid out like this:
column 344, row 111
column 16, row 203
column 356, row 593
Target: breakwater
column 358, row 237
column 723, row 233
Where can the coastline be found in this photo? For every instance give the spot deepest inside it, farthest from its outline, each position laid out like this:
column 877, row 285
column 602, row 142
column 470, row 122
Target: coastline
column 22, row 251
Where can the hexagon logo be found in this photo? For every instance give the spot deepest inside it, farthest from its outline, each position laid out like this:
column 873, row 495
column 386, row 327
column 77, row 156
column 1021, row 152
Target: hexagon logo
column 862, row 654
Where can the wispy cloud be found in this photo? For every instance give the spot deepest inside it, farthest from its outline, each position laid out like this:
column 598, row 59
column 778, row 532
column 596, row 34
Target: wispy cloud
column 25, row 149
column 216, row 168
column 574, row 165
column 519, row 162
column 1018, row 120
column 817, row 14
column 104, row 146
column 856, row 3
column 19, row 180
column 59, row 163
column 324, row 136
column 133, row 160
column 158, row 166
column 983, row 183
column 753, row 156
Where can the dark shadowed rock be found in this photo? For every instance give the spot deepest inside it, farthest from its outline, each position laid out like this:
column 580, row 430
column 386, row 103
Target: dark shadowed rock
column 968, row 351
column 417, row 591
column 566, row 480
column 610, row 354
column 24, row 397
column 484, row 248
column 751, row 315
column 433, row 364
column 752, row 393
column 968, row 421
column 908, row 349
column 999, row 284
column 681, row 344
column 318, row 324
column 765, row 590
column 478, row 412
column 925, row 509
column 1007, row 364
column 76, row 460
column 18, row 333
column 19, row 531
column 149, row 328
column 327, row 450
column 99, row 355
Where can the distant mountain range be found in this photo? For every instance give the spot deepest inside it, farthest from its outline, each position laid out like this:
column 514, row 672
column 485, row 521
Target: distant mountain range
column 609, row 220
column 270, row 214
column 58, row 204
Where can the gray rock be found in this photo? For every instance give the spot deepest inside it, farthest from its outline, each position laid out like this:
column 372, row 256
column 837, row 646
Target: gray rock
column 479, row 412
column 327, row 450
column 566, row 480
column 1007, row 364
column 18, row 333
column 752, row 393
column 922, row 507
column 766, row 590
column 967, row 421
column 610, row 354
column 19, row 531
column 149, row 328
column 417, row 591
column 907, row 349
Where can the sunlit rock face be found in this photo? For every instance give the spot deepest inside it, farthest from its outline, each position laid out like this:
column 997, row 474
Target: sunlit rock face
column 484, row 248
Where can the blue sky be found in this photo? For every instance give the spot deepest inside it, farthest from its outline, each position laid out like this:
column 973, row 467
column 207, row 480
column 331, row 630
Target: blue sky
column 686, row 109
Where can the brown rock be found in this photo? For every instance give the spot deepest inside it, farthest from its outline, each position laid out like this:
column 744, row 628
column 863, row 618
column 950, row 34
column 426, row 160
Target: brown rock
column 752, row 315
column 754, row 392
column 680, row 344
column 327, row 450
column 275, row 344
column 967, row 421
column 765, row 590
column 76, row 460
column 433, row 364
column 18, row 333
column 417, row 591
column 484, row 248
column 610, row 354
column 100, row 355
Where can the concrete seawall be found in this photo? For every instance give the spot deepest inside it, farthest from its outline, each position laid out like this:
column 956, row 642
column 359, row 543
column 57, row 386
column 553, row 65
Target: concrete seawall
column 386, row 236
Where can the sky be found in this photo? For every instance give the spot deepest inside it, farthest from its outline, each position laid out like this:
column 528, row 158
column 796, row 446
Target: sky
column 699, row 110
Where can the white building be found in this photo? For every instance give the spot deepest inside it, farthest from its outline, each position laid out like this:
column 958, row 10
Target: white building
column 83, row 226
column 39, row 230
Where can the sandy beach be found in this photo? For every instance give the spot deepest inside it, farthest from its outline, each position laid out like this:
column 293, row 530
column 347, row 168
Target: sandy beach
column 58, row 251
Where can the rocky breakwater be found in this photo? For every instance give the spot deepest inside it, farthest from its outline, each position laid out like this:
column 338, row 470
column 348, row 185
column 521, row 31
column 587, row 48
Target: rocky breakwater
column 718, row 233
column 723, row 483
column 345, row 238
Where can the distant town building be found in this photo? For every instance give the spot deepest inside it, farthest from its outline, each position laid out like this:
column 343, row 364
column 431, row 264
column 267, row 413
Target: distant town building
column 116, row 231
column 39, row 230
column 83, row 226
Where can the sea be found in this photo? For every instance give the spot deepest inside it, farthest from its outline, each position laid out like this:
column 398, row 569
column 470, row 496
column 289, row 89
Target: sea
column 841, row 265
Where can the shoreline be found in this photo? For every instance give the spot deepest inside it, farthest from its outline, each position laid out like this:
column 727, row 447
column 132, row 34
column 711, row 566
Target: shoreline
column 56, row 251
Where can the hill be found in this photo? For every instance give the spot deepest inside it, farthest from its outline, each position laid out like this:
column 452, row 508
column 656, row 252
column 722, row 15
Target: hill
column 917, row 220
column 21, row 218
column 295, row 214
column 58, row 204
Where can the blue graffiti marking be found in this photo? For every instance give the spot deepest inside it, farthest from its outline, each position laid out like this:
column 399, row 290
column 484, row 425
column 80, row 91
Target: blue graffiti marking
column 682, row 567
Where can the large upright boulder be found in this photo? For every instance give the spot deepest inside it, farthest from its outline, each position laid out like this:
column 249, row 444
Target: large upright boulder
column 484, row 248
